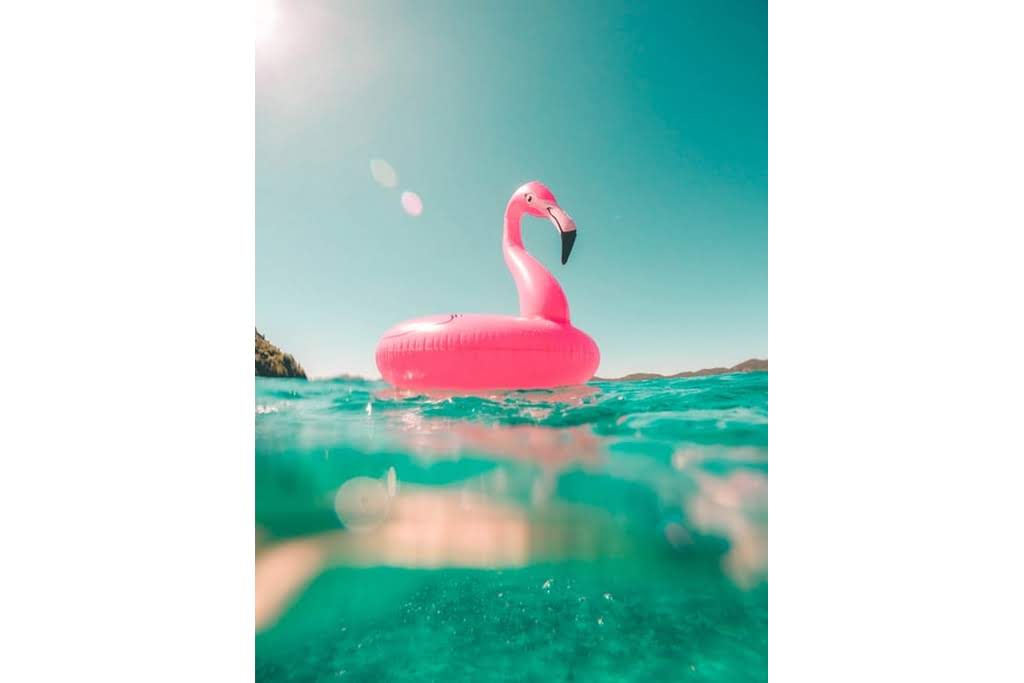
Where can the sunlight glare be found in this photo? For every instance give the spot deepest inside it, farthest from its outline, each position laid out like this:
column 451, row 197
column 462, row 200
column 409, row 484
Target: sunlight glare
column 264, row 14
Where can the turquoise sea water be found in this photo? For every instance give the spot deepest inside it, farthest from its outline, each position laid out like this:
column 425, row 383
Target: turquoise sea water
column 611, row 532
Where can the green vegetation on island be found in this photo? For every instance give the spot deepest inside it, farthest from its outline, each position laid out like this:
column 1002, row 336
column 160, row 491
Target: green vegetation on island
column 273, row 362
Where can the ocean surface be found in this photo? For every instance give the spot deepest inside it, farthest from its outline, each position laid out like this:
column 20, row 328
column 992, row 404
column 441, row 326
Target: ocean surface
column 608, row 532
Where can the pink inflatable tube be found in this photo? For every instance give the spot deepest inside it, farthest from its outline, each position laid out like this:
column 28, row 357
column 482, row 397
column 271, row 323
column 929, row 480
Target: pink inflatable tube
column 538, row 349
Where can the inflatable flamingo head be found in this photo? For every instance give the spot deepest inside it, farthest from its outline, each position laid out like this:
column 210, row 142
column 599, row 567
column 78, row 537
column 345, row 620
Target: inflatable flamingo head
column 536, row 199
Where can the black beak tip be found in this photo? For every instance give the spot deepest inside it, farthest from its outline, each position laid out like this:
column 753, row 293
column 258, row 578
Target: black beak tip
column 568, row 239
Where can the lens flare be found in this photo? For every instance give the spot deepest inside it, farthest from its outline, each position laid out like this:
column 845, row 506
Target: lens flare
column 383, row 173
column 412, row 203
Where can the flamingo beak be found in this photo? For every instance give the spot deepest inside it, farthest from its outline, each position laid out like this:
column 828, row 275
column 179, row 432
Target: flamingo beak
column 568, row 239
column 566, row 228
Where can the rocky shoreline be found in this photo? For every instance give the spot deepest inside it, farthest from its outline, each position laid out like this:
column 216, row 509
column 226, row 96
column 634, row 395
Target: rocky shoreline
column 273, row 362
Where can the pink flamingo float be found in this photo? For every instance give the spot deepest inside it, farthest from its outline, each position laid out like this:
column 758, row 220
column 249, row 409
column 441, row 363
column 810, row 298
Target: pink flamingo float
column 538, row 349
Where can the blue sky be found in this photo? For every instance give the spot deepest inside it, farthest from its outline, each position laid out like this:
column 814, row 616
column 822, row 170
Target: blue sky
column 649, row 124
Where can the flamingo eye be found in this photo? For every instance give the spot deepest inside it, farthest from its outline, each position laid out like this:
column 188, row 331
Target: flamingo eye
column 529, row 198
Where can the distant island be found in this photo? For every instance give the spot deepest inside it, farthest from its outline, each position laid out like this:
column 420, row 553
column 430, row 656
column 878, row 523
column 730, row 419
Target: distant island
column 273, row 362
column 752, row 365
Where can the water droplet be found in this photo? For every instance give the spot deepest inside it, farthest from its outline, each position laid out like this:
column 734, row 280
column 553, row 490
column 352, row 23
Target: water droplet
column 362, row 503
column 677, row 535
column 547, row 585
column 682, row 457
column 391, row 482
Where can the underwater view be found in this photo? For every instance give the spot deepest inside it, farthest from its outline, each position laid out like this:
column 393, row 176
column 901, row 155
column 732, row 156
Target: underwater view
column 613, row 531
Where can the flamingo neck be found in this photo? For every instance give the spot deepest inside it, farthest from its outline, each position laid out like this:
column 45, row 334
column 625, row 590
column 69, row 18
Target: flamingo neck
column 540, row 295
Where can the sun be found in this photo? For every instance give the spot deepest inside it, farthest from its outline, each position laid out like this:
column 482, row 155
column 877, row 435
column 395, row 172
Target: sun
column 265, row 15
